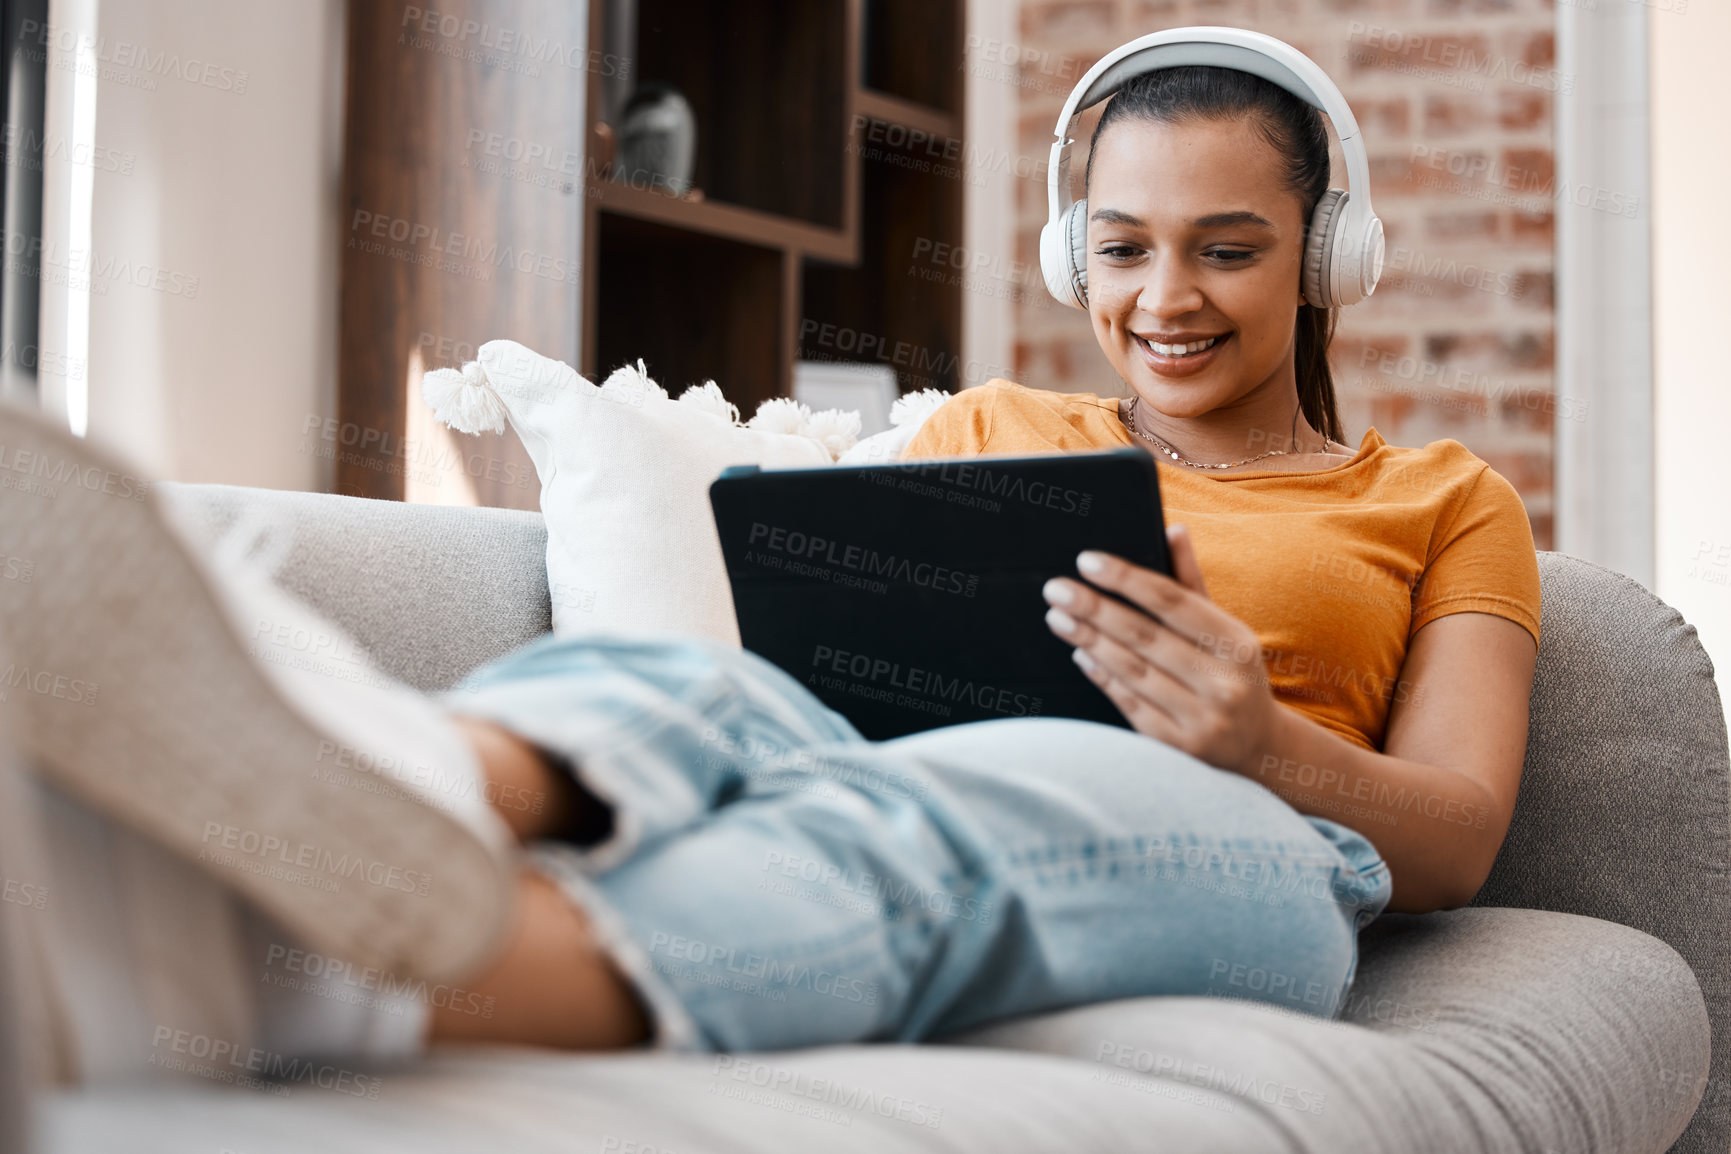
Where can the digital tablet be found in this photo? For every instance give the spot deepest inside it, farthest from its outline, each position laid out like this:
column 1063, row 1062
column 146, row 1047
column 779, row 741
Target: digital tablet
column 907, row 596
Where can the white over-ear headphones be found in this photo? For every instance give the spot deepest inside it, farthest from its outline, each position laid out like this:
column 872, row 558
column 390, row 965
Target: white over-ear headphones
column 1343, row 246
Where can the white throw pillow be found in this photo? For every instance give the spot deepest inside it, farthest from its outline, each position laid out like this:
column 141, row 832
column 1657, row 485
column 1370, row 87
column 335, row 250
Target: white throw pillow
column 625, row 473
column 907, row 414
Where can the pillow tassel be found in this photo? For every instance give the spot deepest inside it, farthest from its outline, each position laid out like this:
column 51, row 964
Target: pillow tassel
column 837, row 430
column 633, row 381
column 709, row 398
column 914, row 408
column 464, row 399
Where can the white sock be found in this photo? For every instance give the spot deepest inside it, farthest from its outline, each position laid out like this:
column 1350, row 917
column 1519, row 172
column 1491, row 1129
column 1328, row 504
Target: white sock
column 157, row 966
column 143, row 949
column 313, row 1005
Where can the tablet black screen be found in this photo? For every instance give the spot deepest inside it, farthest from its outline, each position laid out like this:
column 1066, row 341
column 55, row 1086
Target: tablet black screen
column 907, row 596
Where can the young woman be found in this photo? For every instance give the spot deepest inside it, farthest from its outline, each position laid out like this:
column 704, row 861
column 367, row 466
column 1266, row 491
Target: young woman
column 1389, row 597
column 720, row 861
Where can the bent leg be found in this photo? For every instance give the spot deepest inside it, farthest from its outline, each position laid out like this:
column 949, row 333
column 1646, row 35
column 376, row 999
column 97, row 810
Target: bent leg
column 921, row 886
column 777, row 881
column 659, row 730
column 553, row 984
column 1139, row 870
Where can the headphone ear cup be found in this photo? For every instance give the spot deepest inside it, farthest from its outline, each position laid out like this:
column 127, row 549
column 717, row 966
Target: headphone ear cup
column 1319, row 246
column 1076, row 234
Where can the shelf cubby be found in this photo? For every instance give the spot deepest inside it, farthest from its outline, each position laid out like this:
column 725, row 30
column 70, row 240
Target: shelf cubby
column 768, row 84
column 808, row 210
column 691, row 306
column 913, row 51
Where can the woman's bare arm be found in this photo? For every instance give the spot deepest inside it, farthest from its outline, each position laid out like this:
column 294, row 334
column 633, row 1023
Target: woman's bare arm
column 1437, row 801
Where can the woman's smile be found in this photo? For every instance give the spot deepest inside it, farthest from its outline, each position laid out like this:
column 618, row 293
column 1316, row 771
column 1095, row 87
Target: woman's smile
column 1179, row 355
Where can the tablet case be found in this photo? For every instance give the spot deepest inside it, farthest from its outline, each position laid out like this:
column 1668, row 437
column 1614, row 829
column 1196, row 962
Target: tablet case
column 907, row 596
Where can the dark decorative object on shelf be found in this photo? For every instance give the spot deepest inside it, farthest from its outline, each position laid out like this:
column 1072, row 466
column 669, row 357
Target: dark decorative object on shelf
column 657, row 140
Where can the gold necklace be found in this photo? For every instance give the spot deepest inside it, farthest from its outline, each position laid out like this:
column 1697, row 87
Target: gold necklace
column 1129, row 418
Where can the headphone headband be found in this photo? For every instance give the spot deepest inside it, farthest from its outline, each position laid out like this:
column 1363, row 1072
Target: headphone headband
column 1242, row 51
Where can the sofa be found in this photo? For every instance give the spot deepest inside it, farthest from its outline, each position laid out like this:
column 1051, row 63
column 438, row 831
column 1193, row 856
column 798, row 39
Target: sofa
column 1579, row 1005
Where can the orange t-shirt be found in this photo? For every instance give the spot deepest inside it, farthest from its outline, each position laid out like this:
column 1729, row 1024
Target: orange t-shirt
column 1335, row 569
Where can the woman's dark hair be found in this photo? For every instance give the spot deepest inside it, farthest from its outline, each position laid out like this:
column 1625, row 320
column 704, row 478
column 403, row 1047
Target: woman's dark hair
column 1295, row 131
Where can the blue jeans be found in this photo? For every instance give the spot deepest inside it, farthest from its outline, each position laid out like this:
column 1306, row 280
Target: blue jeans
column 773, row 880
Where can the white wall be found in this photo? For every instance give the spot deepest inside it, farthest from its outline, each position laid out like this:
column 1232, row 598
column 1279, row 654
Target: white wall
column 989, row 201
column 1604, row 221
column 1691, row 304
column 212, row 367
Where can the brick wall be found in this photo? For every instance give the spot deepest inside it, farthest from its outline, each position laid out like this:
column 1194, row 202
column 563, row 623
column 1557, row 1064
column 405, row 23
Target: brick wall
column 1455, row 101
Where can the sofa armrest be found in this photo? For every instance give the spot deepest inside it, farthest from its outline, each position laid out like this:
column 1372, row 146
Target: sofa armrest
column 1577, row 1034
column 1466, row 1031
column 1625, row 800
column 429, row 591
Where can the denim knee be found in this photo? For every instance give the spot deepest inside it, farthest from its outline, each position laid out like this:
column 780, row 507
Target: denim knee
column 1140, row 871
column 1319, row 921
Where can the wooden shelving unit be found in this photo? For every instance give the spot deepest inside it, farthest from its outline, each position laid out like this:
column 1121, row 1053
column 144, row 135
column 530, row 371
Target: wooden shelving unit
column 816, row 124
column 803, row 221
column 894, row 110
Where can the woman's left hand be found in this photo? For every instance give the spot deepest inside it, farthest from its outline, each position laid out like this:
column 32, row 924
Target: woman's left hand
column 1185, row 672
